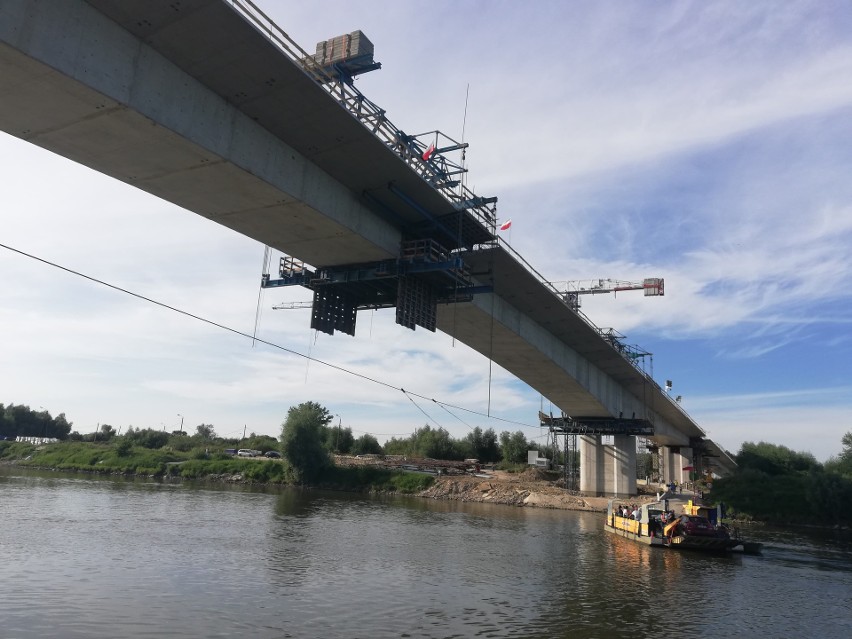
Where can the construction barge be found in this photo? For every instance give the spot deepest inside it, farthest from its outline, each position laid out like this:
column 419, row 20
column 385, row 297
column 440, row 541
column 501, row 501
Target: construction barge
column 698, row 527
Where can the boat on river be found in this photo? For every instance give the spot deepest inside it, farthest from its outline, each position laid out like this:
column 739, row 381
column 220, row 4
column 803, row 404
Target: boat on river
column 698, row 527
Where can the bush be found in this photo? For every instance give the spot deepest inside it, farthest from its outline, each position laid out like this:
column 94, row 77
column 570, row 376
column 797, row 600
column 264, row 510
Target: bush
column 148, row 437
column 15, row 450
column 181, row 442
column 366, row 445
column 123, row 447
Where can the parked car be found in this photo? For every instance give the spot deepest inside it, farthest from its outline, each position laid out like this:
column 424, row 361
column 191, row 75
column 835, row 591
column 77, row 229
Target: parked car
column 699, row 526
column 272, row 454
column 246, row 452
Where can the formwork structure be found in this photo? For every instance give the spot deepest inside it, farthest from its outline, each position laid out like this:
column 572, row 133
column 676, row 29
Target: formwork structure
column 568, row 429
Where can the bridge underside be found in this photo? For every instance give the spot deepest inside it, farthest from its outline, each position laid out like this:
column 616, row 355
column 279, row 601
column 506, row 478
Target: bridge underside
column 191, row 103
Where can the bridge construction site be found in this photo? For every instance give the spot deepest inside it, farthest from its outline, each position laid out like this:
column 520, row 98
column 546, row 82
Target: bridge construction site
column 254, row 133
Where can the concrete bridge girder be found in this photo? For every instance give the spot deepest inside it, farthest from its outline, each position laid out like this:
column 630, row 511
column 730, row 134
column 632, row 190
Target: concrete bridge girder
column 532, row 353
column 77, row 83
column 135, row 116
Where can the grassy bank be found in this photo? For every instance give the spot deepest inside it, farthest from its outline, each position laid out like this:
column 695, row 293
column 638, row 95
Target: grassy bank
column 109, row 459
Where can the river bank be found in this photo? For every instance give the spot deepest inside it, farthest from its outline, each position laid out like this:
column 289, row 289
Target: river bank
column 531, row 488
column 527, row 489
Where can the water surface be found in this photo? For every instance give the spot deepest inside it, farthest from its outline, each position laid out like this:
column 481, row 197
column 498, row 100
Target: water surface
column 95, row 557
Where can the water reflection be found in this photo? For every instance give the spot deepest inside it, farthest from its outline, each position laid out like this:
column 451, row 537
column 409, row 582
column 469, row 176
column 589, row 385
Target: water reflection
column 97, row 557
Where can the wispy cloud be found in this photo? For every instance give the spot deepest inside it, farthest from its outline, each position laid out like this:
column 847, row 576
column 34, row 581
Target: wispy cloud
column 706, row 143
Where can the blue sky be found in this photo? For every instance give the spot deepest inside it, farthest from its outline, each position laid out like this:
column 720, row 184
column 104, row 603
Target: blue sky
column 706, row 143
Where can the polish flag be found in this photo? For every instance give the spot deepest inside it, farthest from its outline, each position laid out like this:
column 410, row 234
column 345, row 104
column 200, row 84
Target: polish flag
column 428, row 152
column 506, row 225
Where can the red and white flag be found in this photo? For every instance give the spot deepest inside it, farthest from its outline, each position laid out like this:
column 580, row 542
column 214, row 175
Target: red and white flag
column 505, row 226
column 428, row 152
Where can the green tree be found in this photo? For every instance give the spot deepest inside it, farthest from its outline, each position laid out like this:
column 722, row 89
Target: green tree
column 846, row 453
column 514, row 447
column 303, row 441
column 774, row 483
column 22, row 420
column 436, row 444
column 123, row 446
column 366, row 445
column 147, row 437
column 646, row 464
column 61, row 426
column 483, row 445
column 842, row 463
column 104, row 433
column 259, row 442
column 394, row 446
column 773, row 459
column 205, row 431
column 339, row 440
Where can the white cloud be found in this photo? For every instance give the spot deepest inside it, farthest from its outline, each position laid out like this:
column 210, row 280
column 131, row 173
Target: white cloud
column 706, row 143
column 808, row 421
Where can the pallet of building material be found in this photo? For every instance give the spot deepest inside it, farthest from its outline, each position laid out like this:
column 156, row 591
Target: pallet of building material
column 343, row 47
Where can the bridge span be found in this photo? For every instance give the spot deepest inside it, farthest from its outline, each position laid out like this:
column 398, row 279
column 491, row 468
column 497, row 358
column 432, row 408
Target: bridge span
column 207, row 104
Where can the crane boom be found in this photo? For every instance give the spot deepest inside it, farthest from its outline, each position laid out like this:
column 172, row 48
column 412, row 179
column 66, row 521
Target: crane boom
column 571, row 290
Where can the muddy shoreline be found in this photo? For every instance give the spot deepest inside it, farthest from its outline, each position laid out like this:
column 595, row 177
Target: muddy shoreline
column 524, row 489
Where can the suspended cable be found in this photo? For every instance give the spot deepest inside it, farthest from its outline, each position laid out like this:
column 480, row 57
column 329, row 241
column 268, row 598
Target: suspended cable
column 235, row 331
column 264, row 269
column 454, row 415
column 428, row 417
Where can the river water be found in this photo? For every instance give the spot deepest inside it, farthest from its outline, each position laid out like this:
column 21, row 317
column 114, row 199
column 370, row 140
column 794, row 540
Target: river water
column 96, row 557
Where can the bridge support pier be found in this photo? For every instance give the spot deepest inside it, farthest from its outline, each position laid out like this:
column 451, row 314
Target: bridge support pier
column 608, row 469
column 591, row 465
column 623, row 466
column 675, row 459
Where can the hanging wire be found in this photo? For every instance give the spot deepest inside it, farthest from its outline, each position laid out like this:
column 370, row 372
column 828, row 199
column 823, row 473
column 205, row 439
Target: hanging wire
column 461, row 193
column 257, row 312
column 235, row 331
column 311, row 344
column 428, row 417
column 454, row 415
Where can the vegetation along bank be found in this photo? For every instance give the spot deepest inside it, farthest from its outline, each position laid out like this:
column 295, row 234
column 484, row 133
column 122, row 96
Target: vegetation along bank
column 772, row 484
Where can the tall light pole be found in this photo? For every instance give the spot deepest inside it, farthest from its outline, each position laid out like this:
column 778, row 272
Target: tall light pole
column 181, row 422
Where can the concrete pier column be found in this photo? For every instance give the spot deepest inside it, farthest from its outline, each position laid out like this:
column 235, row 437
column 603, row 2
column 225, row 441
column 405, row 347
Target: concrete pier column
column 591, row 465
column 621, row 467
column 667, row 471
column 675, row 459
column 684, row 460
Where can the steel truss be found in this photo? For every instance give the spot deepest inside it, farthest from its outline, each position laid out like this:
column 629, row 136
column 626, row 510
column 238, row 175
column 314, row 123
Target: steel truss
column 424, row 275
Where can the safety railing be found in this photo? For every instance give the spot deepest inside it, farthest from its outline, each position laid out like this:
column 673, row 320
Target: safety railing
column 433, row 168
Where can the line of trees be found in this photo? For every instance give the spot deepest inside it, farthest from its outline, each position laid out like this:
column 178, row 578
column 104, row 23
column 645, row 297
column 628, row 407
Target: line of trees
column 22, row 421
column 775, row 483
column 308, row 437
column 426, row 442
column 434, row 443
